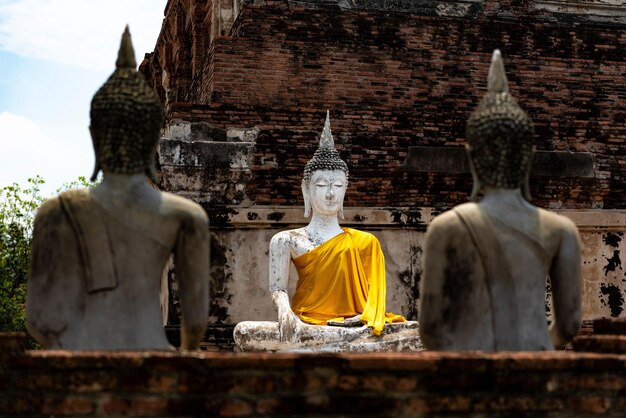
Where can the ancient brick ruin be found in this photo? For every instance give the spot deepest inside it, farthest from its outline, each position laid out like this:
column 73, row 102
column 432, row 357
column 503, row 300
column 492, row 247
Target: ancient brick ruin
column 391, row 81
column 246, row 84
column 425, row 384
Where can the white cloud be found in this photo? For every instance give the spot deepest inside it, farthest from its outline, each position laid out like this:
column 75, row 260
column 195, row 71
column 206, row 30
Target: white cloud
column 84, row 33
column 44, row 107
column 28, row 149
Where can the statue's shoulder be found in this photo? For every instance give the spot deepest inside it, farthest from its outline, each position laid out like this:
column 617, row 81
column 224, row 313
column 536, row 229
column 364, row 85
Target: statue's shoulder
column 182, row 208
column 288, row 237
column 362, row 238
column 50, row 205
column 557, row 223
column 464, row 208
column 74, row 194
column 293, row 241
column 75, row 197
column 450, row 221
column 448, row 229
column 53, row 220
column 52, row 208
column 357, row 233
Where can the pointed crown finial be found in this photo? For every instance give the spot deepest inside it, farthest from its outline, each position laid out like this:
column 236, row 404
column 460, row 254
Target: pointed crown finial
column 126, row 54
column 497, row 81
column 326, row 140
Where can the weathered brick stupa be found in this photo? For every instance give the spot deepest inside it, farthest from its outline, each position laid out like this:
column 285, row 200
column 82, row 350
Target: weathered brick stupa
column 246, row 85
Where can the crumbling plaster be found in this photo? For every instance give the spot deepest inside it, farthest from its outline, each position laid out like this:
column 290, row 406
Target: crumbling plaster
column 242, row 240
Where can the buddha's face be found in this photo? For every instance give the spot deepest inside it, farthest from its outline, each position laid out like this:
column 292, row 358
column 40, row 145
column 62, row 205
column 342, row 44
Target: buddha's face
column 327, row 189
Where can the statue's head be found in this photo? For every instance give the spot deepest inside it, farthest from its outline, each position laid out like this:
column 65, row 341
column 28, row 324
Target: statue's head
column 325, row 178
column 126, row 117
column 500, row 137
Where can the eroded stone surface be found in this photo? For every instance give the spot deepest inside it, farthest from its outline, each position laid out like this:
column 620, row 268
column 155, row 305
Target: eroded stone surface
column 98, row 254
column 485, row 263
column 240, row 256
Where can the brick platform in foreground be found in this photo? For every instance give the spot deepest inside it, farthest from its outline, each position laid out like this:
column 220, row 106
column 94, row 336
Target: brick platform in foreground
column 428, row 384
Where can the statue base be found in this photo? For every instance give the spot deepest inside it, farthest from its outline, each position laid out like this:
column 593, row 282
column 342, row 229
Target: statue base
column 260, row 336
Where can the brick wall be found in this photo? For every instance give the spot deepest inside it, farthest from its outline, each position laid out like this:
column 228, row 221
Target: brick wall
column 400, row 79
column 428, row 384
column 395, row 80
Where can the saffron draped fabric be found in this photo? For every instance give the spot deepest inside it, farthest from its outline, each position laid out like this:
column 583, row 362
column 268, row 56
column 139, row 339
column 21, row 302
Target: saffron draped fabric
column 343, row 277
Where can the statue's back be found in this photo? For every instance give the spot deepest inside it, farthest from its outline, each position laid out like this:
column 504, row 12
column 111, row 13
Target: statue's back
column 487, row 280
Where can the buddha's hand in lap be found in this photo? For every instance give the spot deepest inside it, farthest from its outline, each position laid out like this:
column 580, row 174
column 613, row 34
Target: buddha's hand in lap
column 288, row 325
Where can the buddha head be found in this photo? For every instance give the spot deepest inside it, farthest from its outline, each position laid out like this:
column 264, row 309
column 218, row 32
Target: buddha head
column 126, row 117
column 325, row 178
column 500, row 137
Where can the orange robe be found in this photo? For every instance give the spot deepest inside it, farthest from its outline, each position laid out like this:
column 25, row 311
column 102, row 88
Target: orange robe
column 342, row 278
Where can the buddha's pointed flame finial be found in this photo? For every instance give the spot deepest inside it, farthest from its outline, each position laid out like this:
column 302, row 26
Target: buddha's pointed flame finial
column 126, row 55
column 326, row 140
column 497, row 82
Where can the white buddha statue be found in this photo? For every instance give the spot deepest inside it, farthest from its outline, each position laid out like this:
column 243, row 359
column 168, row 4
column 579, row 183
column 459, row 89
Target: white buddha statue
column 339, row 302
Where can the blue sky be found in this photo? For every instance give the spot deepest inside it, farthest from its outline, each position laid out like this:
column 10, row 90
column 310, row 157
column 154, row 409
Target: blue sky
column 54, row 55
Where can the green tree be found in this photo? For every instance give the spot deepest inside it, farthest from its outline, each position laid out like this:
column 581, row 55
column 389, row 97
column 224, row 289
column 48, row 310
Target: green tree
column 17, row 212
column 18, row 206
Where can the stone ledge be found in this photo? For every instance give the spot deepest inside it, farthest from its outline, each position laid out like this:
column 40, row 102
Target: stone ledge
column 168, row 384
column 454, row 160
column 597, row 219
column 180, row 130
column 412, row 218
column 292, row 216
column 424, row 360
column 452, row 8
column 441, row 7
column 206, row 154
column 611, row 326
column 192, row 131
column 603, row 8
column 601, row 343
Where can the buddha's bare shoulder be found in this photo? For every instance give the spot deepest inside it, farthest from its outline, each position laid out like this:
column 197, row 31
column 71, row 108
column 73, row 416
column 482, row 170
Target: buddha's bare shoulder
column 50, row 214
column 182, row 208
column 53, row 206
column 50, row 206
column 288, row 237
column 553, row 219
column 448, row 223
column 52, row 223
column 557, row 225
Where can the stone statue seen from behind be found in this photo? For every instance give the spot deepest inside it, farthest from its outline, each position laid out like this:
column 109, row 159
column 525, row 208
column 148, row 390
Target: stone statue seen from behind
column 98, row 254
column 486, row 263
